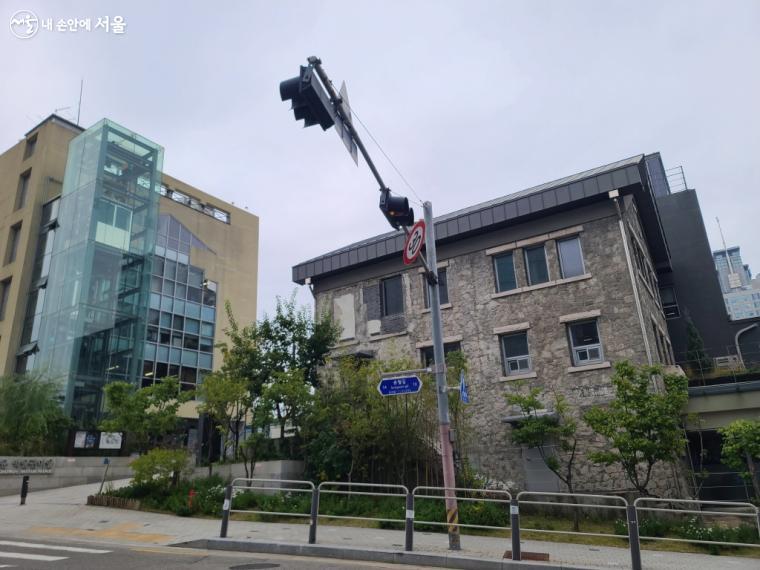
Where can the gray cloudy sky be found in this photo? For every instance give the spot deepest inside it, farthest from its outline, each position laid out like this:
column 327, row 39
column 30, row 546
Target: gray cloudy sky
column 472, row 100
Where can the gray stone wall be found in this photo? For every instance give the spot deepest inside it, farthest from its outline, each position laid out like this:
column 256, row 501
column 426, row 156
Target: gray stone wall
column 476, row 315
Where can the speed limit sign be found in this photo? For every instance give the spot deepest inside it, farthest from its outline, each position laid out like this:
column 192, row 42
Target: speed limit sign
column 414, row 242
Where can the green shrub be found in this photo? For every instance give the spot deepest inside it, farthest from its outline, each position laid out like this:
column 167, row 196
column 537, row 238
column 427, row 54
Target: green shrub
column 161, row 466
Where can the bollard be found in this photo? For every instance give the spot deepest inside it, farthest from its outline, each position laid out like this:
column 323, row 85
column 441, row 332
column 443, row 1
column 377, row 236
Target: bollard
column 24, row 488
column 226, row 506
column 314, row 515
column 633, row 536
column 409, row 527
column 514, row 521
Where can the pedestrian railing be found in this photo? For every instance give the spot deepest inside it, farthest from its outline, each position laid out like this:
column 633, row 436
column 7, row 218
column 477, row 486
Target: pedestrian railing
column 753, row 513
column 277, row 485
column 505, row 499
column 581, row 501
column 363, row 490
column 576, row 501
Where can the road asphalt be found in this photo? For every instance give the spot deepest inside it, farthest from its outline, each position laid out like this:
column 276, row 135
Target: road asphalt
column 61, row 516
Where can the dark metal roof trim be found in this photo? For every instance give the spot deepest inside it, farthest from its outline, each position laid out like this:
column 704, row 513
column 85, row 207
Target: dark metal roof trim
column 485, row 216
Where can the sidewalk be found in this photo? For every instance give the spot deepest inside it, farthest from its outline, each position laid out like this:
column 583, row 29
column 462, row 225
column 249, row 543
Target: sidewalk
column 63, row 513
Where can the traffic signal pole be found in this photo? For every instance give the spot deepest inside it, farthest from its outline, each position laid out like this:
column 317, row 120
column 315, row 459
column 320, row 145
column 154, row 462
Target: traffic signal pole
column 444, row 422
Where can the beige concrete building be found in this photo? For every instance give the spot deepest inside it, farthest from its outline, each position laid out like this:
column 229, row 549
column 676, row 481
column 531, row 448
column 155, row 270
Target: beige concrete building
column 119, row 272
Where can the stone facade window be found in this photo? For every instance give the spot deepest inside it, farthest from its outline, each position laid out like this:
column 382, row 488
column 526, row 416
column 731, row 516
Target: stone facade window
column 535, row 265
column 515, row 353
column 504, row 270
column 426, row 353
column 443, row 288
column 391, row 296
column 669, row 303
column 570, row 257
column 585, row 345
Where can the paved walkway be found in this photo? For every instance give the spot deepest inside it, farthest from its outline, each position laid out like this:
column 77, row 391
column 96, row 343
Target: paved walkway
column 63, row 513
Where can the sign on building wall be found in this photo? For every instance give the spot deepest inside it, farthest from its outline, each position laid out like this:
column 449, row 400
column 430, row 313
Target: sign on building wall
column 26, row 465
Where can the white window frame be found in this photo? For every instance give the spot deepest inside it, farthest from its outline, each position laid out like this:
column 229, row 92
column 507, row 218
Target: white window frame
column 562, row 264
column 523, row 362
column 577, row 351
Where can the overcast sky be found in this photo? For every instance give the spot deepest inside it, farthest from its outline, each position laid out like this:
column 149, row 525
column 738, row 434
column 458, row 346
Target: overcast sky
column 472, row 100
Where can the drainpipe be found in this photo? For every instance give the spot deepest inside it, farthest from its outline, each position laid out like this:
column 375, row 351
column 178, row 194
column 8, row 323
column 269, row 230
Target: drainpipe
column 736, row 342
column 615, row 195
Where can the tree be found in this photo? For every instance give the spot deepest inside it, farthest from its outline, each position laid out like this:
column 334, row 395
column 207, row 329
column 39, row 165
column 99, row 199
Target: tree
column 290, row 397
column 31, row 417
column 642, row 426
column 741, row 449
column 226, row 400
column 554, row 435
column 279, row 356
column 149, row 415
column 696, row 357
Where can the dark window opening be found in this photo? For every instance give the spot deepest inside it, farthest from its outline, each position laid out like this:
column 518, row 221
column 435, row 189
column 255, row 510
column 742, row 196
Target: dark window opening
column 391, row 296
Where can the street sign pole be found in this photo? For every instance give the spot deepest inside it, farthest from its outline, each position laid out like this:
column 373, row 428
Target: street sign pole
column 444, row 422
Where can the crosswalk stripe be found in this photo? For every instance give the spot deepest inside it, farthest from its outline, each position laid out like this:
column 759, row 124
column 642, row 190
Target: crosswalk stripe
column 7, row 566
column 26, row 556
column 52, row 547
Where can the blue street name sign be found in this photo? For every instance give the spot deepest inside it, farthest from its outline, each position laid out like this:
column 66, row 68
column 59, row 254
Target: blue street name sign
column 399, row 385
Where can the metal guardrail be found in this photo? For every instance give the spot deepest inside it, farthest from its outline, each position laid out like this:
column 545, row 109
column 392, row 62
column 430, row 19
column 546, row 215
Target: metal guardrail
column 582, row 505
column 407, row 521
column 254, row 484
column 577, row 500
column 755, row 514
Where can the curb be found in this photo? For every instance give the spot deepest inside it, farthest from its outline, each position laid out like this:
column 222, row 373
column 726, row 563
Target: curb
column 366, row 555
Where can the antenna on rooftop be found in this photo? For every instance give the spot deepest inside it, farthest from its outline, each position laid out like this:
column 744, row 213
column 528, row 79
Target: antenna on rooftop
column 79, row 107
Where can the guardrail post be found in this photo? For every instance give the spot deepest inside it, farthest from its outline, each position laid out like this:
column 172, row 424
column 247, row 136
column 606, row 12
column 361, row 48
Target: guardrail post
column 409, row 528
column 514, row 518
column 226, row 506
column 633, row 536
column 314, row 515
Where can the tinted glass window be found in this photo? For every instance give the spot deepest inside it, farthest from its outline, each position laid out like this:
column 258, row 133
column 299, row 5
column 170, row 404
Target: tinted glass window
column 535, row 264
column 570, row 257
column 504, row 268
column 391, row 296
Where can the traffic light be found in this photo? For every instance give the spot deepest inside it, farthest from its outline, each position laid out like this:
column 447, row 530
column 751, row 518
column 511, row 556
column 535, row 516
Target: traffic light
column 396, row 209
column 310, row 102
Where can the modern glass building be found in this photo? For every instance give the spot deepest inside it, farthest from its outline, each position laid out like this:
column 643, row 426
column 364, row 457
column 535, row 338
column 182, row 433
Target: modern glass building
column 113, row 270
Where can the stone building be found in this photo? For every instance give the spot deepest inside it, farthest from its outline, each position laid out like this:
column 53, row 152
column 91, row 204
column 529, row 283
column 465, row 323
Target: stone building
column 549, row 286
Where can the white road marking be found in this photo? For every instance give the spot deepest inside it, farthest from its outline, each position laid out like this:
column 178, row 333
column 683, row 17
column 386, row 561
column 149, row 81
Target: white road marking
column 25, row 556
column 52, row 547
column 7, row 565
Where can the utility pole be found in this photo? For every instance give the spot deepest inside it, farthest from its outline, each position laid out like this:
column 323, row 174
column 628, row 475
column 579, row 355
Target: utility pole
column 309, row 103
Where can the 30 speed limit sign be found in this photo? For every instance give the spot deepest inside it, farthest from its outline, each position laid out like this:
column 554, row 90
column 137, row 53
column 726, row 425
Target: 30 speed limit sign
column 414, row 242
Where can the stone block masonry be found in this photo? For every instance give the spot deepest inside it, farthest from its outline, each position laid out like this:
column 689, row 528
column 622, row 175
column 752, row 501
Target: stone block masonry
column 478, row 316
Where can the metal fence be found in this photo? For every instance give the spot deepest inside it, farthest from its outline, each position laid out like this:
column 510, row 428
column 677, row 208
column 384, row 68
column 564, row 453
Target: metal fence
column 581, row 501
column 277, row 485
column 753, row 514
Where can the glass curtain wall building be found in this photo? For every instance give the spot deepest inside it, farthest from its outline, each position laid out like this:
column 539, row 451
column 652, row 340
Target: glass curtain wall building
column 95, row 280
column 182, row 314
